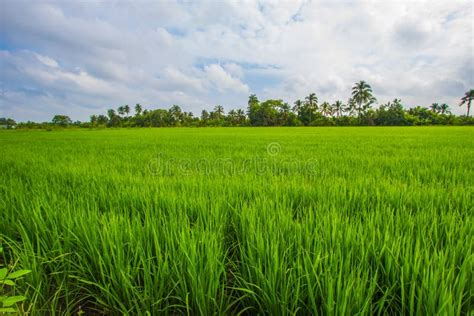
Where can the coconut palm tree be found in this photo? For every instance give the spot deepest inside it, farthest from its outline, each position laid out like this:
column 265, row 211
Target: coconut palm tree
column 111, row 113
column 284, row 109
column 326, row 109
column 204, row 115
column 121, row 110
column 467, row 99
column 175, row 113
column 444, row 109
column 253, row 99
column 435, row 108
column 241, row 116
column 298, row 106
column 363, row 96
column 138, row 109
column 312, row 101
column 311, row 105
column 126, row 109
column 338, row 108
column 351, row 107
column 219, row 110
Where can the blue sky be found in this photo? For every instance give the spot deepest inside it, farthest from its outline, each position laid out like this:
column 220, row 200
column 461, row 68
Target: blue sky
column 82, row 57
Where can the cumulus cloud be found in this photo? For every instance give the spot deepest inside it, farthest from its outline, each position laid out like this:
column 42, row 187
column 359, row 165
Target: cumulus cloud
column 223, row 81
column 81, row 58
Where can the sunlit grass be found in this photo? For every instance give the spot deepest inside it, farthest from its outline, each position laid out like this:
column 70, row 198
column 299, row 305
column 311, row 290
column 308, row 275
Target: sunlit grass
column 207, row 221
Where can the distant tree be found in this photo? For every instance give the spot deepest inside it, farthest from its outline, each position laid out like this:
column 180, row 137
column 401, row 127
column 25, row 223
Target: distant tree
column 61, row 120
column 93, row 119
column 232, row 117
column 298, row 105
column 284, row 111
column 351, row 107
column 253, row 109
column 435, row 107
column 219, row 110
column 467, row 99
column 391, row 113
column 102, row 120
column 285, row 108
column 111, row 113
column 204, row 116
column 138, row 109
column 312, row 101
column 268, row 113
column 241, row 116
column 338, row 108
column 187, row 118
column 126, row 109
column 444, row 109
column 422, row 116
column 253, row 99
column 8, row 122
column 363, row 96
column 114, row 119
column 307, row 111
column 159, row 117
column 121, row 110
column 175, row 114
column 326, row 109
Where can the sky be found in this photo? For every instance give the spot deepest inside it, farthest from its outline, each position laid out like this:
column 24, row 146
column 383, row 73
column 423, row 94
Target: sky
column 80, row 58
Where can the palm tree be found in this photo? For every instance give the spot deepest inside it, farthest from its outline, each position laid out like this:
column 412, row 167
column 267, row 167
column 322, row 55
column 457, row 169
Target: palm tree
column 298, row 106
column 204, row 115
column 138, row 109
column 219, row 111
column 126, row 109
column 284, row 111
column 363, row 96
column 435, row 108
column 241, row 116
column 351, row 107
column 253, row 99
column 444, row 109
column 111, row 113
column 326, row 109
column 175, row 113
column 312, row 101
column 94, row 119
column 121, row 110
column 338, row 108
column 285, row 108
column 311, row 105
column 467, row 99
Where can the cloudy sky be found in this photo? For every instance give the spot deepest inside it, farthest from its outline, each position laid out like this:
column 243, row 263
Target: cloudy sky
column 83, row 57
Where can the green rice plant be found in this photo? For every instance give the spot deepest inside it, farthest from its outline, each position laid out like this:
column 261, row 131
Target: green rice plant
column 8, row 277
column 330, row 221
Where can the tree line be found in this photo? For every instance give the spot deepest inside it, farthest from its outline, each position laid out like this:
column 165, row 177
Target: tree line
column 358, row 110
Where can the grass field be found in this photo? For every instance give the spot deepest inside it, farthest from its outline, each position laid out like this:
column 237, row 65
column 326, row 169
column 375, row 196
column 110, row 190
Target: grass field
column 278, row 221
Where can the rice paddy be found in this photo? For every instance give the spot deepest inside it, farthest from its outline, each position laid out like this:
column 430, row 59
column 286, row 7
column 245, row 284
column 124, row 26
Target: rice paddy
column 274, row 221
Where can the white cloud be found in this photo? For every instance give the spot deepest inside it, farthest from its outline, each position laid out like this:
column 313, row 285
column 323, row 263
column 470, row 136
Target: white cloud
column 223, row 81
column 47, row 61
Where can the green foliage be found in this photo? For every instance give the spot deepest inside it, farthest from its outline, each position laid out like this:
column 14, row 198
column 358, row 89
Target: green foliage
column 336, row 221
column 358, row 111
column 8, row 277
column 467, row 100
column 61, row 120
column 7, row 122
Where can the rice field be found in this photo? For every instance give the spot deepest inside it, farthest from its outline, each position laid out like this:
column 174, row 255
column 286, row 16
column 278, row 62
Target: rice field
column 225, row 221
